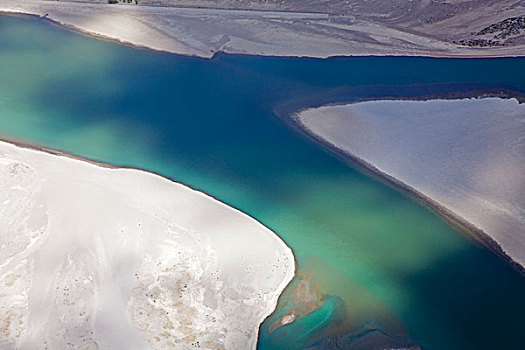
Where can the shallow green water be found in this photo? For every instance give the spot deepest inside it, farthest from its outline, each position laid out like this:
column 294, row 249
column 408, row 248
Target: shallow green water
column 377, row 258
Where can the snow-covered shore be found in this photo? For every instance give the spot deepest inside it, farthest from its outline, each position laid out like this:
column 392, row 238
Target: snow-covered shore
column 97, row 257
column 466, row 155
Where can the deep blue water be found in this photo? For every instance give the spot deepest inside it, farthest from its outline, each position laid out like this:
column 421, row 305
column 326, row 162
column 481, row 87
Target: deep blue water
column 377, row 258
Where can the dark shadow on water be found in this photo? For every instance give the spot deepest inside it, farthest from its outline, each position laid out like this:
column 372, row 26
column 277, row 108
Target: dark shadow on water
column 214, row 128
column 464, row 303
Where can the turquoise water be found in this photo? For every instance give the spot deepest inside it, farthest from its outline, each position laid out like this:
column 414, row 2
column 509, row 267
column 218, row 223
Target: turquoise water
column 373, row 258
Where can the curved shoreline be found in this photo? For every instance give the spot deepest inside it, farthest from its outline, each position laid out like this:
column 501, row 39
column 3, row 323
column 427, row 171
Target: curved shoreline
column 464, row 226
column 287, row 250
column 76, row 30
column 192, row 47
column 31, row 146
column 445, row 213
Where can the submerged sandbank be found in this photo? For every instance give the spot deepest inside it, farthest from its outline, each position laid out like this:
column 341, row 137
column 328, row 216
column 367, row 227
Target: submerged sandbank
column 122, row 258
column 465, row 156
column 203, row 32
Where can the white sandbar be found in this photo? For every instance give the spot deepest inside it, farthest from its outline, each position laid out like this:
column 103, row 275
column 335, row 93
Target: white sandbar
column 96, row 257
column 467, row 155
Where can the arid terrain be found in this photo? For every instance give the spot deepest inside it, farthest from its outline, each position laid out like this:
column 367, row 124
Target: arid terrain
column 481, row 28
column 452, row 20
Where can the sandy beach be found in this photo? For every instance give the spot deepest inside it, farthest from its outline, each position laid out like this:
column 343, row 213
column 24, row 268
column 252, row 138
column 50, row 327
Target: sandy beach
column 206, row 31
column 464, row 157
column 158, row 265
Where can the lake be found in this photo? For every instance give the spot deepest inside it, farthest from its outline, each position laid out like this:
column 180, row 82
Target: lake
column 369, row 256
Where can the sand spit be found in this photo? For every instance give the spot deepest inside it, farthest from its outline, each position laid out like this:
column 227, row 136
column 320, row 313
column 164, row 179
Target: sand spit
column 464, row 156
column 114, row 258
column 203, row 32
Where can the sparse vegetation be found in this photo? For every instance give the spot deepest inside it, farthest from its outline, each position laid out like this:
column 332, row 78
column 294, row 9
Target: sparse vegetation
column 505, row 32
column 123, row 1
column 508, row 27
column 478, row 42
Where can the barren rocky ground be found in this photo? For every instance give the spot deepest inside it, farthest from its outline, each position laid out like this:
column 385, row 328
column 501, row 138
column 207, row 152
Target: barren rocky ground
column 297, row 28
column 451, row 20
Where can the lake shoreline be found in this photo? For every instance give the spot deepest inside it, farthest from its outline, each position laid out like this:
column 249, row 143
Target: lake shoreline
column 88, row 34
column 462, row 225
column 209, row 123
column 58, row 153
column 158, row 41
column 45, row 165
column 445, row 213
column 32, row 146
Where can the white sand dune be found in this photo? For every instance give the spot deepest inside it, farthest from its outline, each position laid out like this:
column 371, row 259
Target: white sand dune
column 467, row 155
column 95, row 257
